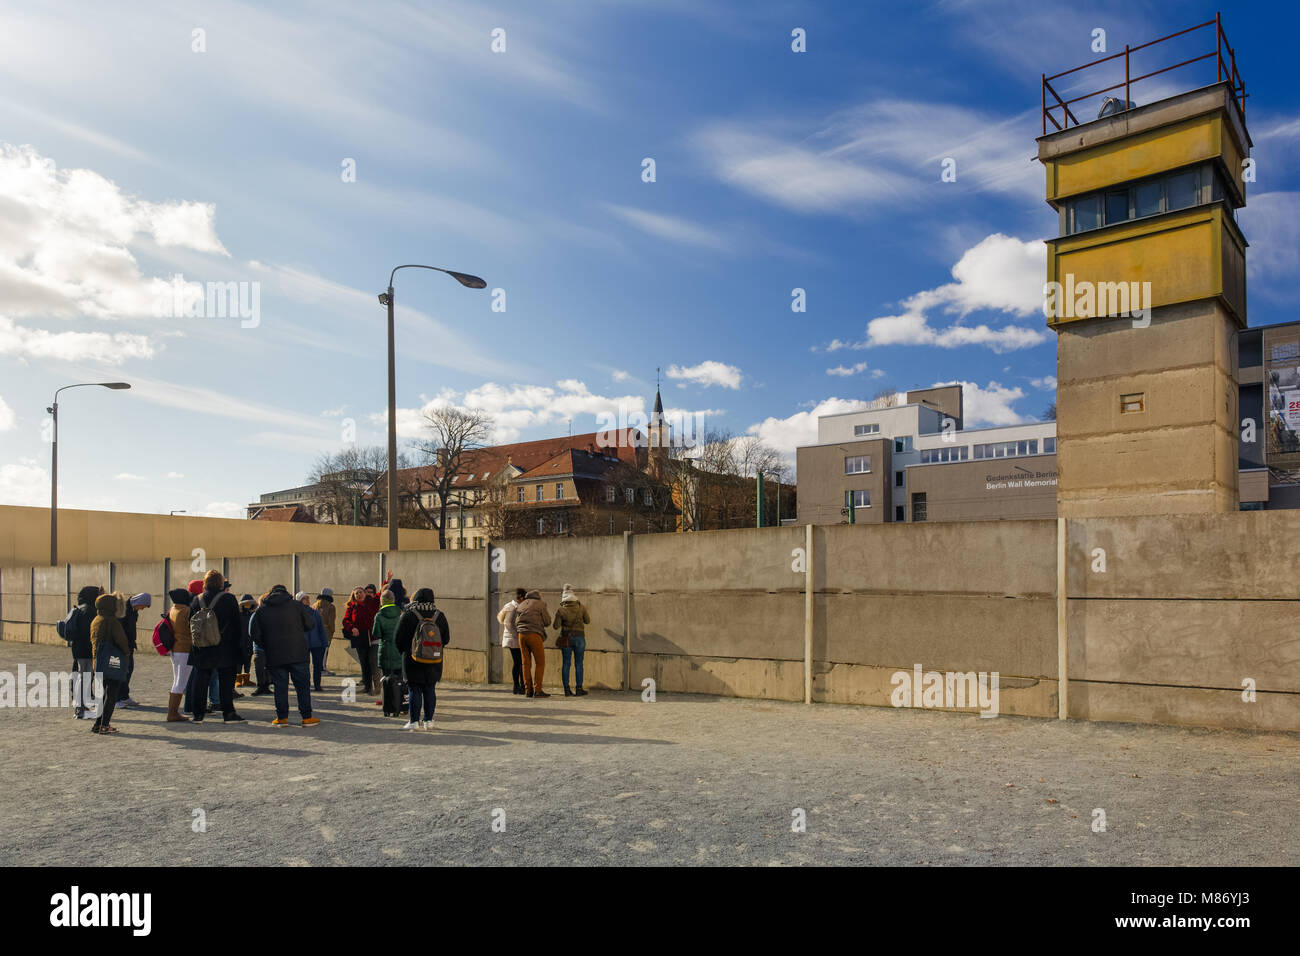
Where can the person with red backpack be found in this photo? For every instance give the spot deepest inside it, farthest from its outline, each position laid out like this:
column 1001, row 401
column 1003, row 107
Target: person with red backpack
column 422, row 633
column 178, row 621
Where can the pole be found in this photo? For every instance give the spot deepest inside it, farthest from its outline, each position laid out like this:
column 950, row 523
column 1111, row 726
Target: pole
column 809, row 584
column 758, row 508
column 392, row 430
column 54, row 487
column 1062, row 624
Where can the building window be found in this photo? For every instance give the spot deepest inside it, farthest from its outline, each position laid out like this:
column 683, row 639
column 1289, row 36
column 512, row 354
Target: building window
column 871, row 429
column 932, row 455
column 541, row 526
column 857, row 499
column 1007, row 449
column 902, row 445
column 559, row 524
column 559, row 491
column 1150, row 197
column 1135, row 402
column 898, row 513
column 541, row 491
column 611, row 524
column 898, row 479
column 629, row 495
column 609, row 495
column 647, row 498
column 1049, row 446
column 521, row 494
column 857, row 464
column 918, row 506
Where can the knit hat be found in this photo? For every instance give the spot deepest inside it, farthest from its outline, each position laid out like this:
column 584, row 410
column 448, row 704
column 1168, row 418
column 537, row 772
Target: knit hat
column 195, row 587
column 326, row 592
column 179, row 596
column 143, row 599
column 300, row 596
column 248, row 599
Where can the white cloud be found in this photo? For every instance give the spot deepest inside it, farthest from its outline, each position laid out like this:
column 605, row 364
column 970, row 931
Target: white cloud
column 669, row 227
column 707, row 373
column 1000, row 273
column 882, row 153
column 619, row 375
column 111, row 348
column 1271, row 222
column 223, row 509
column 786, row 434
column 65, row 238
column 1047, row 383
column 24, row 484
column 6, row 416
column 845, row 371
column 877, row 373
column 173, row 474
column 127, row 476
column 989, row 405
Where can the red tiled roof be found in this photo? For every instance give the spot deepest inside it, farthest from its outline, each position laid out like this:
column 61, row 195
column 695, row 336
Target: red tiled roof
column 289, row 513
column 482, row 465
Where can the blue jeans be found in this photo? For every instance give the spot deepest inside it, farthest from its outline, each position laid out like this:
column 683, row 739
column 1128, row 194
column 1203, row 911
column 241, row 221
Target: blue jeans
column 428, row 694
column 280, row 677
column 576, row 649
column 317, row 665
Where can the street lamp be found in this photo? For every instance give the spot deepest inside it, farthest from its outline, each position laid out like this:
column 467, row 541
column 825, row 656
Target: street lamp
column 386, row 298
column 54, row 463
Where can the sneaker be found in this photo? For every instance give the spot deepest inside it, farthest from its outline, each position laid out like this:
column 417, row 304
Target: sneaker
column 233, row 718
column 310, row 721
column 126, row 702
column 280, row 722
column 409, row 726
column 540, row 693
column 262, row 692
column 197, row 718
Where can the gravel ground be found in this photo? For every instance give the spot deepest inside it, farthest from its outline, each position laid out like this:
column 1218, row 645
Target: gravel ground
column 608, row 779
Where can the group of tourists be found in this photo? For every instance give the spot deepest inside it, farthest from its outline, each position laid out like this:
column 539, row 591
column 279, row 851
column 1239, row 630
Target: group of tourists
column 217, row 643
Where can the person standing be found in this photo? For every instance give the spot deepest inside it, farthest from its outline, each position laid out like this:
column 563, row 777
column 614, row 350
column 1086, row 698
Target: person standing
column 571, row 620
column 221, row 656
column 280, row 626
column 179, row 616
column 317, row 642
column 384, row 632
column 111, row 650
column 325, row 606
column 422, row 634
column 510, row 639
column 358, row 618
column 531, row 621
column 247, row 605
column 76, row 631
column 130, row 622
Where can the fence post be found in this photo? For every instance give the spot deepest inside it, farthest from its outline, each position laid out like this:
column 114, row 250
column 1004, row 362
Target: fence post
column 627, row 610
column 808, row 585
column 1062, row 625
column 31, row 606
column 167, row 578
column 488, row 617
column 67, row 588
column 294, row 565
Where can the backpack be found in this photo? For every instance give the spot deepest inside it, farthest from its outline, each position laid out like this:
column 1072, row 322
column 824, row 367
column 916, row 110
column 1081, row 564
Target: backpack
column 203, row 625
column 65, row 628
column 426, row 645
column 164, row 637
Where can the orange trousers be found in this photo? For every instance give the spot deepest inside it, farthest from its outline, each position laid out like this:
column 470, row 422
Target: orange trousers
column 532, row 649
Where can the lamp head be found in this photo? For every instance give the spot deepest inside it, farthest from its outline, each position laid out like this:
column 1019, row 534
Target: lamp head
column 467, row 280
column 383, row 298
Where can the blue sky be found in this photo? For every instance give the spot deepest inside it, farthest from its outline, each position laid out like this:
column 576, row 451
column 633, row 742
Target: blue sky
column 128, row 157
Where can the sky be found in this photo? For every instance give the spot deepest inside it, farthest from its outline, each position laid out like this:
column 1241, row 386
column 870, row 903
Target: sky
column 644, row 185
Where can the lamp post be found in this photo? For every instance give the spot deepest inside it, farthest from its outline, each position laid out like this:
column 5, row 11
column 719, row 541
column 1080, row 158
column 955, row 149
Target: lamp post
column 386, row 298
column 54, row 462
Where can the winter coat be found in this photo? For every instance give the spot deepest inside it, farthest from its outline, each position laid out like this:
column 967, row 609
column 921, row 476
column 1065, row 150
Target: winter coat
column 77, row 630
column 417, row 672
column 316, row 637
column 571, row 617
column 360, row 616
column 506, row 616
column 279, row 627
column 531, row 616
column 245, row 632
column 106, row 628
column 179, row 615
column 384, row 632
column 328, row 615
column 129, row 621
column 228, row 652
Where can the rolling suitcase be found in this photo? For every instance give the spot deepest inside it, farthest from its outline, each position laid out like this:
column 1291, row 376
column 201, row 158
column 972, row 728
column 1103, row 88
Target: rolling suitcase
column 392, row 687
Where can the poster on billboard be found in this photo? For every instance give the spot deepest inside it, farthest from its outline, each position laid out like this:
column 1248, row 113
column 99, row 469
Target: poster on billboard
column 1282, row 403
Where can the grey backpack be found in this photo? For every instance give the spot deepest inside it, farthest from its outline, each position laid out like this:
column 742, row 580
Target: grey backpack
column 205, row 630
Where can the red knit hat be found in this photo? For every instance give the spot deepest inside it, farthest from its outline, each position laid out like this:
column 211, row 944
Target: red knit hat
column 195, row 587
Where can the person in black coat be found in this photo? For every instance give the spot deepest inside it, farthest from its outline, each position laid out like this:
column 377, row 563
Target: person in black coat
column 76, row 629
column 279, row 626
column 224, row 657
column 422, row 678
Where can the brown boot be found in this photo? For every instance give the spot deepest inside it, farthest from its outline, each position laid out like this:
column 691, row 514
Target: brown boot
column 174, row 708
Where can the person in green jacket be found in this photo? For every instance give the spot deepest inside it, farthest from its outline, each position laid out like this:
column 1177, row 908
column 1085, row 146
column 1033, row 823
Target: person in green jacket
column 571, row 620
column 384, row 633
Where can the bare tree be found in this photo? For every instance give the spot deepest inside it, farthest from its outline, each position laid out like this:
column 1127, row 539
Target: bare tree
column 885, row 398
column 1049, row 413
column 345, row 481
column 452, row 434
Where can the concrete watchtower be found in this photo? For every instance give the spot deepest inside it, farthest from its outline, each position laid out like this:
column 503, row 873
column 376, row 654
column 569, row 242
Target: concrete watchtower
column 1147, row 289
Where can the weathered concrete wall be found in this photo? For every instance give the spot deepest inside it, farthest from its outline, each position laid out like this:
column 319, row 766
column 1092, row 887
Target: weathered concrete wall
column 1188, row 611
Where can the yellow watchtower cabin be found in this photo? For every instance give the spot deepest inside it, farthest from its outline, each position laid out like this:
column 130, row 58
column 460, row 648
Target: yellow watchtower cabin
column 1146, row 280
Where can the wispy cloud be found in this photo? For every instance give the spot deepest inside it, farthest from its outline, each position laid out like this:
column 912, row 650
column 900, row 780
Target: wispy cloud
column 667, row 227
column 707, row 373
